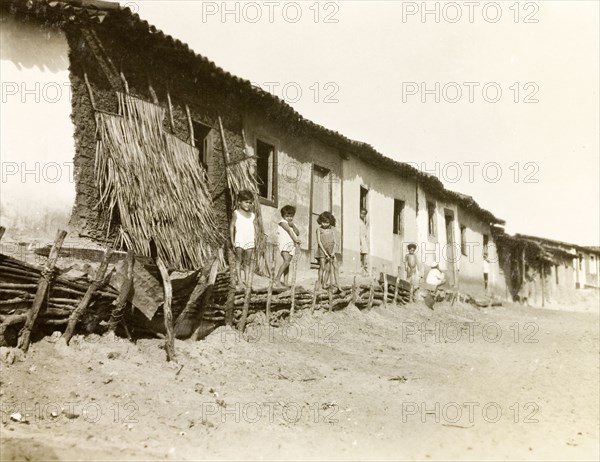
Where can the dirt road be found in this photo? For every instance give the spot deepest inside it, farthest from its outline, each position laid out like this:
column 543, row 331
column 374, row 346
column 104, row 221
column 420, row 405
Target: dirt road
column 402, row 383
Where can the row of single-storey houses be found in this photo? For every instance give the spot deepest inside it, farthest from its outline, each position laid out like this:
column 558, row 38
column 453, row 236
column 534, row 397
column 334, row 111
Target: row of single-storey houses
column 95, row 49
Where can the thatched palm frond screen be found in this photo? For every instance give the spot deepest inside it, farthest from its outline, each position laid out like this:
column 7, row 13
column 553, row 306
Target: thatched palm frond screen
column 156, row 181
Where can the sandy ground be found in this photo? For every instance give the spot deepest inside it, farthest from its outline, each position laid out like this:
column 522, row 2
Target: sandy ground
column 402, row 383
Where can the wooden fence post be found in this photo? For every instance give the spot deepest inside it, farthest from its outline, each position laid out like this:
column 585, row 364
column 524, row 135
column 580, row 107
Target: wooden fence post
column 117, row 312
column 385, row 288
column 371, row 294
column 270, row 292
column 229, row 304
column 249, row 279
column 87, row 298
column 397, row 290
column 42, row 288
column 293, row 270
column 168, row 289
column 314, row 298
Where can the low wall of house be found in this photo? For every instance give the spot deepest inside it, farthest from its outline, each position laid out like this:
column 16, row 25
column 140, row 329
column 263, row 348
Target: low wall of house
column 37, row 145
column 436, row 247
column 560, row 282
column 592, row 270
column 471, row 258
column 386, row 248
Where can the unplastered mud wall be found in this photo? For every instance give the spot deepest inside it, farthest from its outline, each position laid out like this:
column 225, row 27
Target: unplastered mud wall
column 145, row 60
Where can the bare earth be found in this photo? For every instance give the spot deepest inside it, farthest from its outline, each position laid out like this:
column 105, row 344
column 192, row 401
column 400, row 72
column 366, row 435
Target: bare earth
column 506, row 383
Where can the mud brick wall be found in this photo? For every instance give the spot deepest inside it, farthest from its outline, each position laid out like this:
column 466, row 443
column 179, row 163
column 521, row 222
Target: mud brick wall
column 145, row 63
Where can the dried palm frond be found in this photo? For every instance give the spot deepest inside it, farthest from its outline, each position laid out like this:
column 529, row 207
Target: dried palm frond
column 157, row 183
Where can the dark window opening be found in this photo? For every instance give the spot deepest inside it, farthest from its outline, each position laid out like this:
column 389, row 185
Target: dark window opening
column 431, row 218
column 486, row 241
column 265, row 169
column 463, row 240
column 364, row 198
column 201, row 141
column 556, row 273
column 398, row 222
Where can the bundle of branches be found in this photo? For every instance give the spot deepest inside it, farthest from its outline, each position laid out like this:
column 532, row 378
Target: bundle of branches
column 18, row 284
column 158, row 185
column 281, row 298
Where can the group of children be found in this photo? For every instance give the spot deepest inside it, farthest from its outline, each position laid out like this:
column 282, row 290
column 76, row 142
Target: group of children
column 244, row 229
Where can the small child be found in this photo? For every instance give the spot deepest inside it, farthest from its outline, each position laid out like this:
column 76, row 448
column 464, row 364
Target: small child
column 243, row 230
column 326, row 248
column 411, row 268
column 287, row 240
column 364, row 241
column 486, row 270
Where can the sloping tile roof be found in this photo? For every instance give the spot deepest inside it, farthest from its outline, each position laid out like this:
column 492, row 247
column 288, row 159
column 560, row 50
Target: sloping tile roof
column 60, row 12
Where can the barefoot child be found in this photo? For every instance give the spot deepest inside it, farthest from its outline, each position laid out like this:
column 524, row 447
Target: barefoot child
column 287, row 240
column 326, row 248
column 411, row 268
column 243, row 230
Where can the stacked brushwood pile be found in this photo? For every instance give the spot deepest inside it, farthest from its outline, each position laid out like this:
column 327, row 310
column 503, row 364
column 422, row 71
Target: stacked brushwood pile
column 18, row 284
column 281, row 299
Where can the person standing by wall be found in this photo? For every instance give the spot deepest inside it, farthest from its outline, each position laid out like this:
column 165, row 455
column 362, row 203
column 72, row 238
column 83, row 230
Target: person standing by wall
column 486, row 271
column 364, row 242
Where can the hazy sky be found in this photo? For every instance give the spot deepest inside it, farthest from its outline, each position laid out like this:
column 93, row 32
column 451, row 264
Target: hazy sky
column 364, row 75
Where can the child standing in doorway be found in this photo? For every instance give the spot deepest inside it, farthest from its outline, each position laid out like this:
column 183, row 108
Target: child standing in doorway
column 287, row 240
column 326, row 248
column 243, row 231
column 364, row 242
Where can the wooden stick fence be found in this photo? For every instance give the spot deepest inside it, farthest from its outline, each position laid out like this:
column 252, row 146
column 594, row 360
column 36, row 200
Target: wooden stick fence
column 42, row 288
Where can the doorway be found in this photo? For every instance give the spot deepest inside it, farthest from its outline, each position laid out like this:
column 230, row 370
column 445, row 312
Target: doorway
column 320, row 201
column 450, row 253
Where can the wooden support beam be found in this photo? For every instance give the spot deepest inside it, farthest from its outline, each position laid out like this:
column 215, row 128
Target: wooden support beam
column 314, row 298
column 170, row 109
column 543, row 274
column 249, row 279
column 385, row 288
column 125, row 84
column 190, row 125
column 116, row 315
column 232, row 286
column 152, row 92
column 397, row 288
column 42, row 289
column 168, row 290
column 223, row 142
column 89, row 89
column 212, row 277
column 294, row 271
column 10, row 321
column 270, row 292
column 87, row 298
